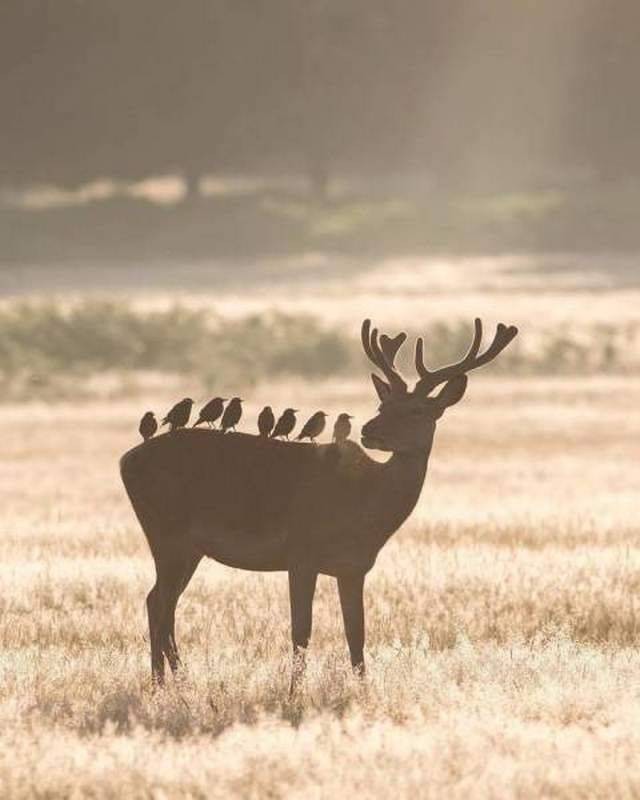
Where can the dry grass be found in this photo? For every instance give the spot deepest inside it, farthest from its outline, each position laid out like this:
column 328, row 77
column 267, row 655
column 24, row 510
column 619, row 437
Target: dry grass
column 503, row 620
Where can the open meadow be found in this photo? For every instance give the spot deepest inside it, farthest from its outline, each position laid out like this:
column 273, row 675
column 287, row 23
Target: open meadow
column 503, row 619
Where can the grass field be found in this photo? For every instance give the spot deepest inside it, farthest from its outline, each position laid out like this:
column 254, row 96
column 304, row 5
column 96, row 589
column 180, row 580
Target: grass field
column 503, row 619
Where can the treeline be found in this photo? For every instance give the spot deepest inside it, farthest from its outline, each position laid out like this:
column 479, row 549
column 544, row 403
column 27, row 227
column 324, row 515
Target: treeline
column 466, row 91
column 46, row 348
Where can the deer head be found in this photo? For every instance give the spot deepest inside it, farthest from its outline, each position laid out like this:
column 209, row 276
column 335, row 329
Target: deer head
column 406, row 420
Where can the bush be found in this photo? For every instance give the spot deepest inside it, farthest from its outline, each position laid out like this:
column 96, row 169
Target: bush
column 43, row 340
column 51, row 345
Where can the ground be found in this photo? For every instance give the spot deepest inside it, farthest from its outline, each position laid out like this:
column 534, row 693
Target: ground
column 503, row 619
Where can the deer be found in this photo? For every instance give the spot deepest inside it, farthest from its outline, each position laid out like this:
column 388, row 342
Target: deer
column 305, row 509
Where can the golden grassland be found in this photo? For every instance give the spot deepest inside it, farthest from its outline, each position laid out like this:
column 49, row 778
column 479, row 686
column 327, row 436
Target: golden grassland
column 503, row 619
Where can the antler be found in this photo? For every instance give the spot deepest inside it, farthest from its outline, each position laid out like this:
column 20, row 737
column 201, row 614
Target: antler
column 383, row 354
column 430, row 379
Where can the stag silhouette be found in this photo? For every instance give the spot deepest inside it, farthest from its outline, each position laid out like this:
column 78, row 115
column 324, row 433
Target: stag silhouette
column 270, row 505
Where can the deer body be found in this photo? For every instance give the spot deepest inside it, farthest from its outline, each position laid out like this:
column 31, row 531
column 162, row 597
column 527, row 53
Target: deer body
column 262, row 504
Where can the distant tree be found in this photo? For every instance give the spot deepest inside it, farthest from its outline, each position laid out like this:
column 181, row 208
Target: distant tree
column 465, row 90
column 129, row 89
column 603, row 117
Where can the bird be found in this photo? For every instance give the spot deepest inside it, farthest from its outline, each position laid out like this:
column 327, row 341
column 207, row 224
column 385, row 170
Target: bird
column 148, row 425
column 342, row 428
column 285, row 424
column 313, row 426
column 211, row 411
column 266, row 421
column 232, row 414
column 179, row 414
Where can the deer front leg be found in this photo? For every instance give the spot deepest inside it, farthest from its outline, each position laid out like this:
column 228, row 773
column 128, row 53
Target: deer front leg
column 302, row 586
column 155, row 638
column 351, row 588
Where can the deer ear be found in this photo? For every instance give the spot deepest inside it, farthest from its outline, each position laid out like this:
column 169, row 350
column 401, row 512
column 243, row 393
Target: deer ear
column 382, row 387
column 452, row 392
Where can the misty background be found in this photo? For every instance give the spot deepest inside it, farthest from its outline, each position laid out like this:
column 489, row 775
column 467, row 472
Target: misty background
column 236, row 183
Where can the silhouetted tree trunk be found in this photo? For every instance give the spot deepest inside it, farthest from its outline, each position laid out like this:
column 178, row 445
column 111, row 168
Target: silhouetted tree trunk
column 319, row 178
column 191, row 179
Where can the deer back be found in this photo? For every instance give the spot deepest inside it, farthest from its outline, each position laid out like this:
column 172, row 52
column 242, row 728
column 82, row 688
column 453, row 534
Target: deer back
column 244, row 485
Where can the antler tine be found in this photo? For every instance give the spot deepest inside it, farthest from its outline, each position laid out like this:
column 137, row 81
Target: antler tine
column 472, row 352
column 434, row 377
column 383, row 354
column 365, row 336
column 503, row 335
column 381, row 359
column 421, row 368
column 429, row 375
column 430, row 379
column 391, row 345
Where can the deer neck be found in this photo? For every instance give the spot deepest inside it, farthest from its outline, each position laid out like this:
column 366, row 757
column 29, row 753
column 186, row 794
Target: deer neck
column 400, row 483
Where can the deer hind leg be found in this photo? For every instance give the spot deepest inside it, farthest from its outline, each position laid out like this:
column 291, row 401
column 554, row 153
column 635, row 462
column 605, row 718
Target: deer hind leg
column 173, row 575
column 351, row 588
column 180, row 578
column 302, row 586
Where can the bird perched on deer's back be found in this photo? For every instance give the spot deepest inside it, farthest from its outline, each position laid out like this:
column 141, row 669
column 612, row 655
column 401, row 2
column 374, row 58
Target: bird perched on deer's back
column 232, row 414
column 148, row 425
column 342, row 428
column 266, row 421
column 313, row 426
column 285, row 424
column 179, row 414
column 211, row 411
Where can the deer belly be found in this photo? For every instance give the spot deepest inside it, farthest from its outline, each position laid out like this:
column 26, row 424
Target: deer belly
column 263, row 552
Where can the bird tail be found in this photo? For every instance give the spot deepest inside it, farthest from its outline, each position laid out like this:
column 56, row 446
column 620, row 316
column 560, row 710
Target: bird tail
column 197, row 422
